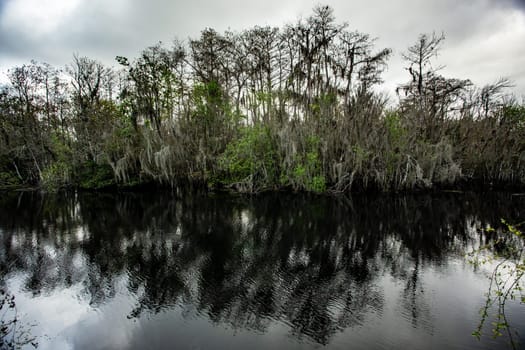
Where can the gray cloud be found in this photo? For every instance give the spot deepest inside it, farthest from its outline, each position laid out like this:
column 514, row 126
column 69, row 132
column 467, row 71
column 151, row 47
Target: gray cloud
column 519, row 4
column 484, row 38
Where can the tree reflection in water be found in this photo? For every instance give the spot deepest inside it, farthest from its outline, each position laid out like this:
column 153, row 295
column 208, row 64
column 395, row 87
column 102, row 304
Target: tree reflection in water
column 312, row 263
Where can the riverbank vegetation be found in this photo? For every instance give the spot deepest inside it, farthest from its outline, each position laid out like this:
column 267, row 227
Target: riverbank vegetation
column 505, row 251
column 266, row 108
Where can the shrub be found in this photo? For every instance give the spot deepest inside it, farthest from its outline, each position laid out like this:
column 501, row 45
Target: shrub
column 251, row 158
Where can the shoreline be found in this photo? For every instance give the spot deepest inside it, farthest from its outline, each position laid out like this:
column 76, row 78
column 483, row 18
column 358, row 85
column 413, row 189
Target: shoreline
column 185, row 186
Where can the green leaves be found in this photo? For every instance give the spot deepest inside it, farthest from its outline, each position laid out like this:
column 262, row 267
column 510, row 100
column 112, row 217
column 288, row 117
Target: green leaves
column 253, row 156
column 506, row 280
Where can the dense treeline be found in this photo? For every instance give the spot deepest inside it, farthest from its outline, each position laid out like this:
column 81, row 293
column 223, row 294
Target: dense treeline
column 294, row 107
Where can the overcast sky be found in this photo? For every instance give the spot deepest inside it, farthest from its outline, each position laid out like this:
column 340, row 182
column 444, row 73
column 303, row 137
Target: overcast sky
column 485, row 39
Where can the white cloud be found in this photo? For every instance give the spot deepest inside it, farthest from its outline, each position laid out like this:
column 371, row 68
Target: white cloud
column 484, row 38
column 37, row 17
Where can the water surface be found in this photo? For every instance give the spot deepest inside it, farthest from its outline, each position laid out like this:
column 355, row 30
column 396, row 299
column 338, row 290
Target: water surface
column 166, row 271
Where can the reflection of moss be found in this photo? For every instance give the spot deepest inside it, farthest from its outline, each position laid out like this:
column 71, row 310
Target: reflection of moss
column 277, row 256
column 317, row 210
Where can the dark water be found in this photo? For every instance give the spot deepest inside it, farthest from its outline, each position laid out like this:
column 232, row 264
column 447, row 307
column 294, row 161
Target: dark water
column 129, row 271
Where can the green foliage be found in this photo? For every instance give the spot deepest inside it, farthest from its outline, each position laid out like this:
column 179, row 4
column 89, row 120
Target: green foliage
column 322, row 107
column 209, row 103
column 120, row 136
column 397, row 133
column 299, row 173
column 514, row 115
column 253, row 156
column 94, row 176
column 120, row 139
column 318, row 184
column 56, row 176
column 155, row 86
column 397, row 141
column 507, row 251
column 307, row 172
column 263, row 96
column 8, row 180
column 229, row 109
column 212, row 124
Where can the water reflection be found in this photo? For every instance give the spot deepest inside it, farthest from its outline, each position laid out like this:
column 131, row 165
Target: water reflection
column 318, row 265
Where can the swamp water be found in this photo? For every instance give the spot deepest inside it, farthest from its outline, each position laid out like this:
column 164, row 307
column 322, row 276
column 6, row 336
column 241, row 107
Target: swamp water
column 280, row 271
